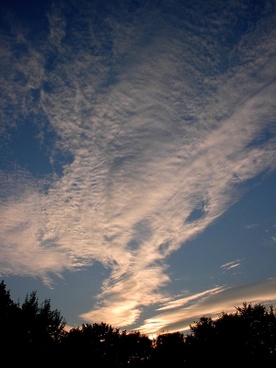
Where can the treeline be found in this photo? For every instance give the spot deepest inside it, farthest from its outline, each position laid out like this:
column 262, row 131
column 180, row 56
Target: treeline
column 34, row 334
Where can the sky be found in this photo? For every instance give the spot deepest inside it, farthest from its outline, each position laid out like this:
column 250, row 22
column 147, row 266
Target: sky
column 137, row 170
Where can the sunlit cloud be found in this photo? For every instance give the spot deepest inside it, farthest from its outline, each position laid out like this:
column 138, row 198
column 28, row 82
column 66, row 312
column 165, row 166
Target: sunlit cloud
column 210, row 303
column 153, row 164
column 229, row 265
column 191, row 299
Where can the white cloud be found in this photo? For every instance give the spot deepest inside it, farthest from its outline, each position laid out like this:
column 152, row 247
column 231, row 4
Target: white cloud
column 230, row 265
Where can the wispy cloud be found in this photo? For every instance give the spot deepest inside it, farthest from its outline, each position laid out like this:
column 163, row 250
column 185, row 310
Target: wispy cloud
column 230, row 265
column 210, row 303
column 153, row 138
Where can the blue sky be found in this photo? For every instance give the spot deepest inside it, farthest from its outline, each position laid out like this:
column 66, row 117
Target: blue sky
column 137, row 172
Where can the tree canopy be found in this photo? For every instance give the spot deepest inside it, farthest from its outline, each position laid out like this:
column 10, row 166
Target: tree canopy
column 34, row 333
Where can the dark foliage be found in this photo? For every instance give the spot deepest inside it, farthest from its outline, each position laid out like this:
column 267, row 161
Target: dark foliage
column 247, row 337
column 30, row 331
column 34, row 334
column 103, row 345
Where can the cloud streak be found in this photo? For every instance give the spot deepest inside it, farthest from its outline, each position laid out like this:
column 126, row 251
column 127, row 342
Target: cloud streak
column 152, row 138
column 210, row 303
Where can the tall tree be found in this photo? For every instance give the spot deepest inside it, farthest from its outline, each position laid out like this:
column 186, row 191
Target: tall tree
column 101, row 344
column 169, row 349
column 29, row 331
column 135, row 349
column 10, row 316
column 247, row 336
column 42, row 326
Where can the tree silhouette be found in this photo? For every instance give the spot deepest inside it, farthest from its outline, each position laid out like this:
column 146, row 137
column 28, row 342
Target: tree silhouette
column 135, row 349
column 169, row 349
column 34, row 334
column 247, row 336
column 9, row 321
column 29, row 331
column 91, row 343
column 101, row 344
column 42, row 327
